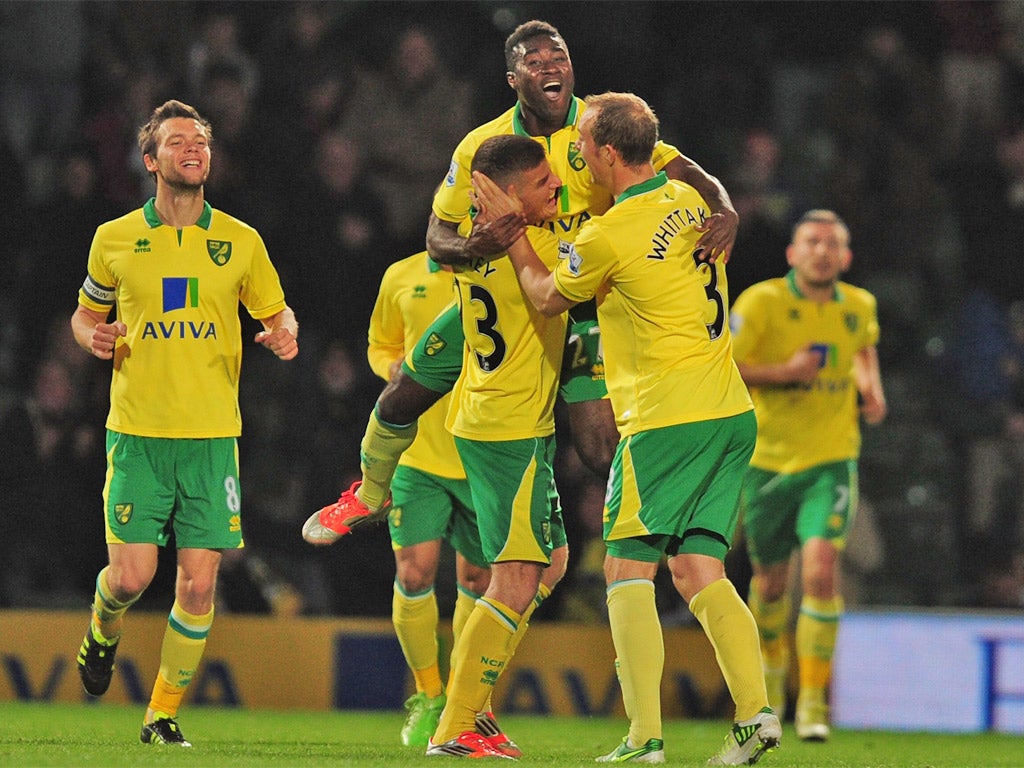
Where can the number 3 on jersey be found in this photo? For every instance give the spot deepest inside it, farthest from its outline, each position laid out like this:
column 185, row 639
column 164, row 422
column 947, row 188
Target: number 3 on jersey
column 485, row 326
column 711, row 291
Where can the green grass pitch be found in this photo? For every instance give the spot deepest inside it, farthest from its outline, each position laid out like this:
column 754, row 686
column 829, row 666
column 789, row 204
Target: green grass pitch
column 40, row 734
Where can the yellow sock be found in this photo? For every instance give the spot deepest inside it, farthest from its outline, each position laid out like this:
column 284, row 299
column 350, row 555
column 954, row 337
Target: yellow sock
column 107, row 613
column 733, row 634
column 482, row 654
column 415, row 618
column 543, row 593
column 382, row 446
column 816, row 628
column 180, row 654
column 465, row 602
column 773, row 625
column 640, row 655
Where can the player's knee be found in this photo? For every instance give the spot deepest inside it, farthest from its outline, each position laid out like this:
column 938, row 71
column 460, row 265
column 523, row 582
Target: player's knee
column 554, row 572
column 475, row 580
column 404, row 400
column 129, row 580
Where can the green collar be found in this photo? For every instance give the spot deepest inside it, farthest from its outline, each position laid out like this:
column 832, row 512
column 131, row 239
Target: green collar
column 517, row 117
column 791, row 281
column 659, row 179
column 153, row 220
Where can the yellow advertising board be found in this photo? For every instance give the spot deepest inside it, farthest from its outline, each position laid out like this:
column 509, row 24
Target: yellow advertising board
column 317, row 663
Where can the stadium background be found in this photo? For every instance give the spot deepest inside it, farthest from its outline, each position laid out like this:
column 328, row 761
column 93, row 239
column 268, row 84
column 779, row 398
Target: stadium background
column 904, row 117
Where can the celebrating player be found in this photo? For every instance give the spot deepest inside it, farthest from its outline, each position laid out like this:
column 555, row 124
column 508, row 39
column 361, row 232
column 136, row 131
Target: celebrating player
column 176, row 269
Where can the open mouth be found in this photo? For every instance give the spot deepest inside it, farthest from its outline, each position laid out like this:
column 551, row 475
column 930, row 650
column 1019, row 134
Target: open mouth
column 552, row 89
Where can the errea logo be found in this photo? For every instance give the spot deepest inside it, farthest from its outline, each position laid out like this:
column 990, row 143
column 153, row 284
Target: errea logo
column 142, row 245
column 419, row 292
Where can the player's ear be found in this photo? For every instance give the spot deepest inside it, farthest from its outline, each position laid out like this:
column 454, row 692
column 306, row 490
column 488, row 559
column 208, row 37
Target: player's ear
column 847, row 259
column 150, row 162
column 510, row 78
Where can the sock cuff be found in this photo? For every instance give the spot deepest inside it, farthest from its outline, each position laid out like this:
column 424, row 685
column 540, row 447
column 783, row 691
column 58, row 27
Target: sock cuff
column 424, row 594
column 629, row 584
column 104, row 591
column 468, row 592
column 500, row 613
column 823, row 610
column 193, row 626
column 714, row 590
column 387, row 424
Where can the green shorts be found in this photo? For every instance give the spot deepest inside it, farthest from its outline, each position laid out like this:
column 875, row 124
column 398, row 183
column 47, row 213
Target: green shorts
column 426, row 507
column 436, row 360
column 582, row 377
column 781, row 512
column 514, row 495
column 156, row 485
column 676, row 489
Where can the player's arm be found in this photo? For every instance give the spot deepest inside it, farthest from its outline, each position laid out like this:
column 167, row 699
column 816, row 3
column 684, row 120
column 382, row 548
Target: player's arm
column 280, row 334
column 534, row 277
column 488, row 239
column 385, row 340
column 867, row 375
column 719, row 231
column 94, row 334
column 801, row 368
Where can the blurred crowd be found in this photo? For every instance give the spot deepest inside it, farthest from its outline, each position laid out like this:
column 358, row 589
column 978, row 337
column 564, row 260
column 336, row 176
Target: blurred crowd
column 333, row 123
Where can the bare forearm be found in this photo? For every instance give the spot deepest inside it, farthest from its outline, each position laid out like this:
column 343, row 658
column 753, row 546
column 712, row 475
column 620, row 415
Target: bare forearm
column 536, row 280
column 709, row 187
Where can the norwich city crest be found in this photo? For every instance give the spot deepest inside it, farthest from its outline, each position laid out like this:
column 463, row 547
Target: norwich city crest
column 123, row 512
column 219, row 250
column 434, row 344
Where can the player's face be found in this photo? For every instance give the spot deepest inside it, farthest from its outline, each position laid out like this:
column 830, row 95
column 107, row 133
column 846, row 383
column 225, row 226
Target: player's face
column 537, row 189
column 590, row 151
column 819, row 253
column 543, row 78
column 182, row 154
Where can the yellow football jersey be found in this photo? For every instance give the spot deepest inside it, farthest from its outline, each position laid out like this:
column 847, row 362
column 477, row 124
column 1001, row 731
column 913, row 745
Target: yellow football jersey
column 801, row 426
column 513, row 354
column 663, row 311
column 412, row 293
column 579, row 198
column 176, row 372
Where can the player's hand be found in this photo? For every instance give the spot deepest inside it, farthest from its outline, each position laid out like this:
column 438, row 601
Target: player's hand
column 873, row 407
column 719, row 235
column 491, row 200
column 803, row 366
column 280, row 342
column 499, row 221
column 104, row 338
column 488, row 239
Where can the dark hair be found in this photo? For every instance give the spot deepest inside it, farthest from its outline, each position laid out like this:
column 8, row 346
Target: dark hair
column 524, row 32
column 167, row 111
column 626, row 122
column 503, row 157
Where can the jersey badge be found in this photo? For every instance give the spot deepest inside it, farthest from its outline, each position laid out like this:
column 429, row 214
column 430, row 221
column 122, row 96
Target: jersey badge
column 219, row 250
column 576, row 161
column 851, row 321
column 453, row 169
column 123, row 512
column 434, row 344
column 575, row 262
